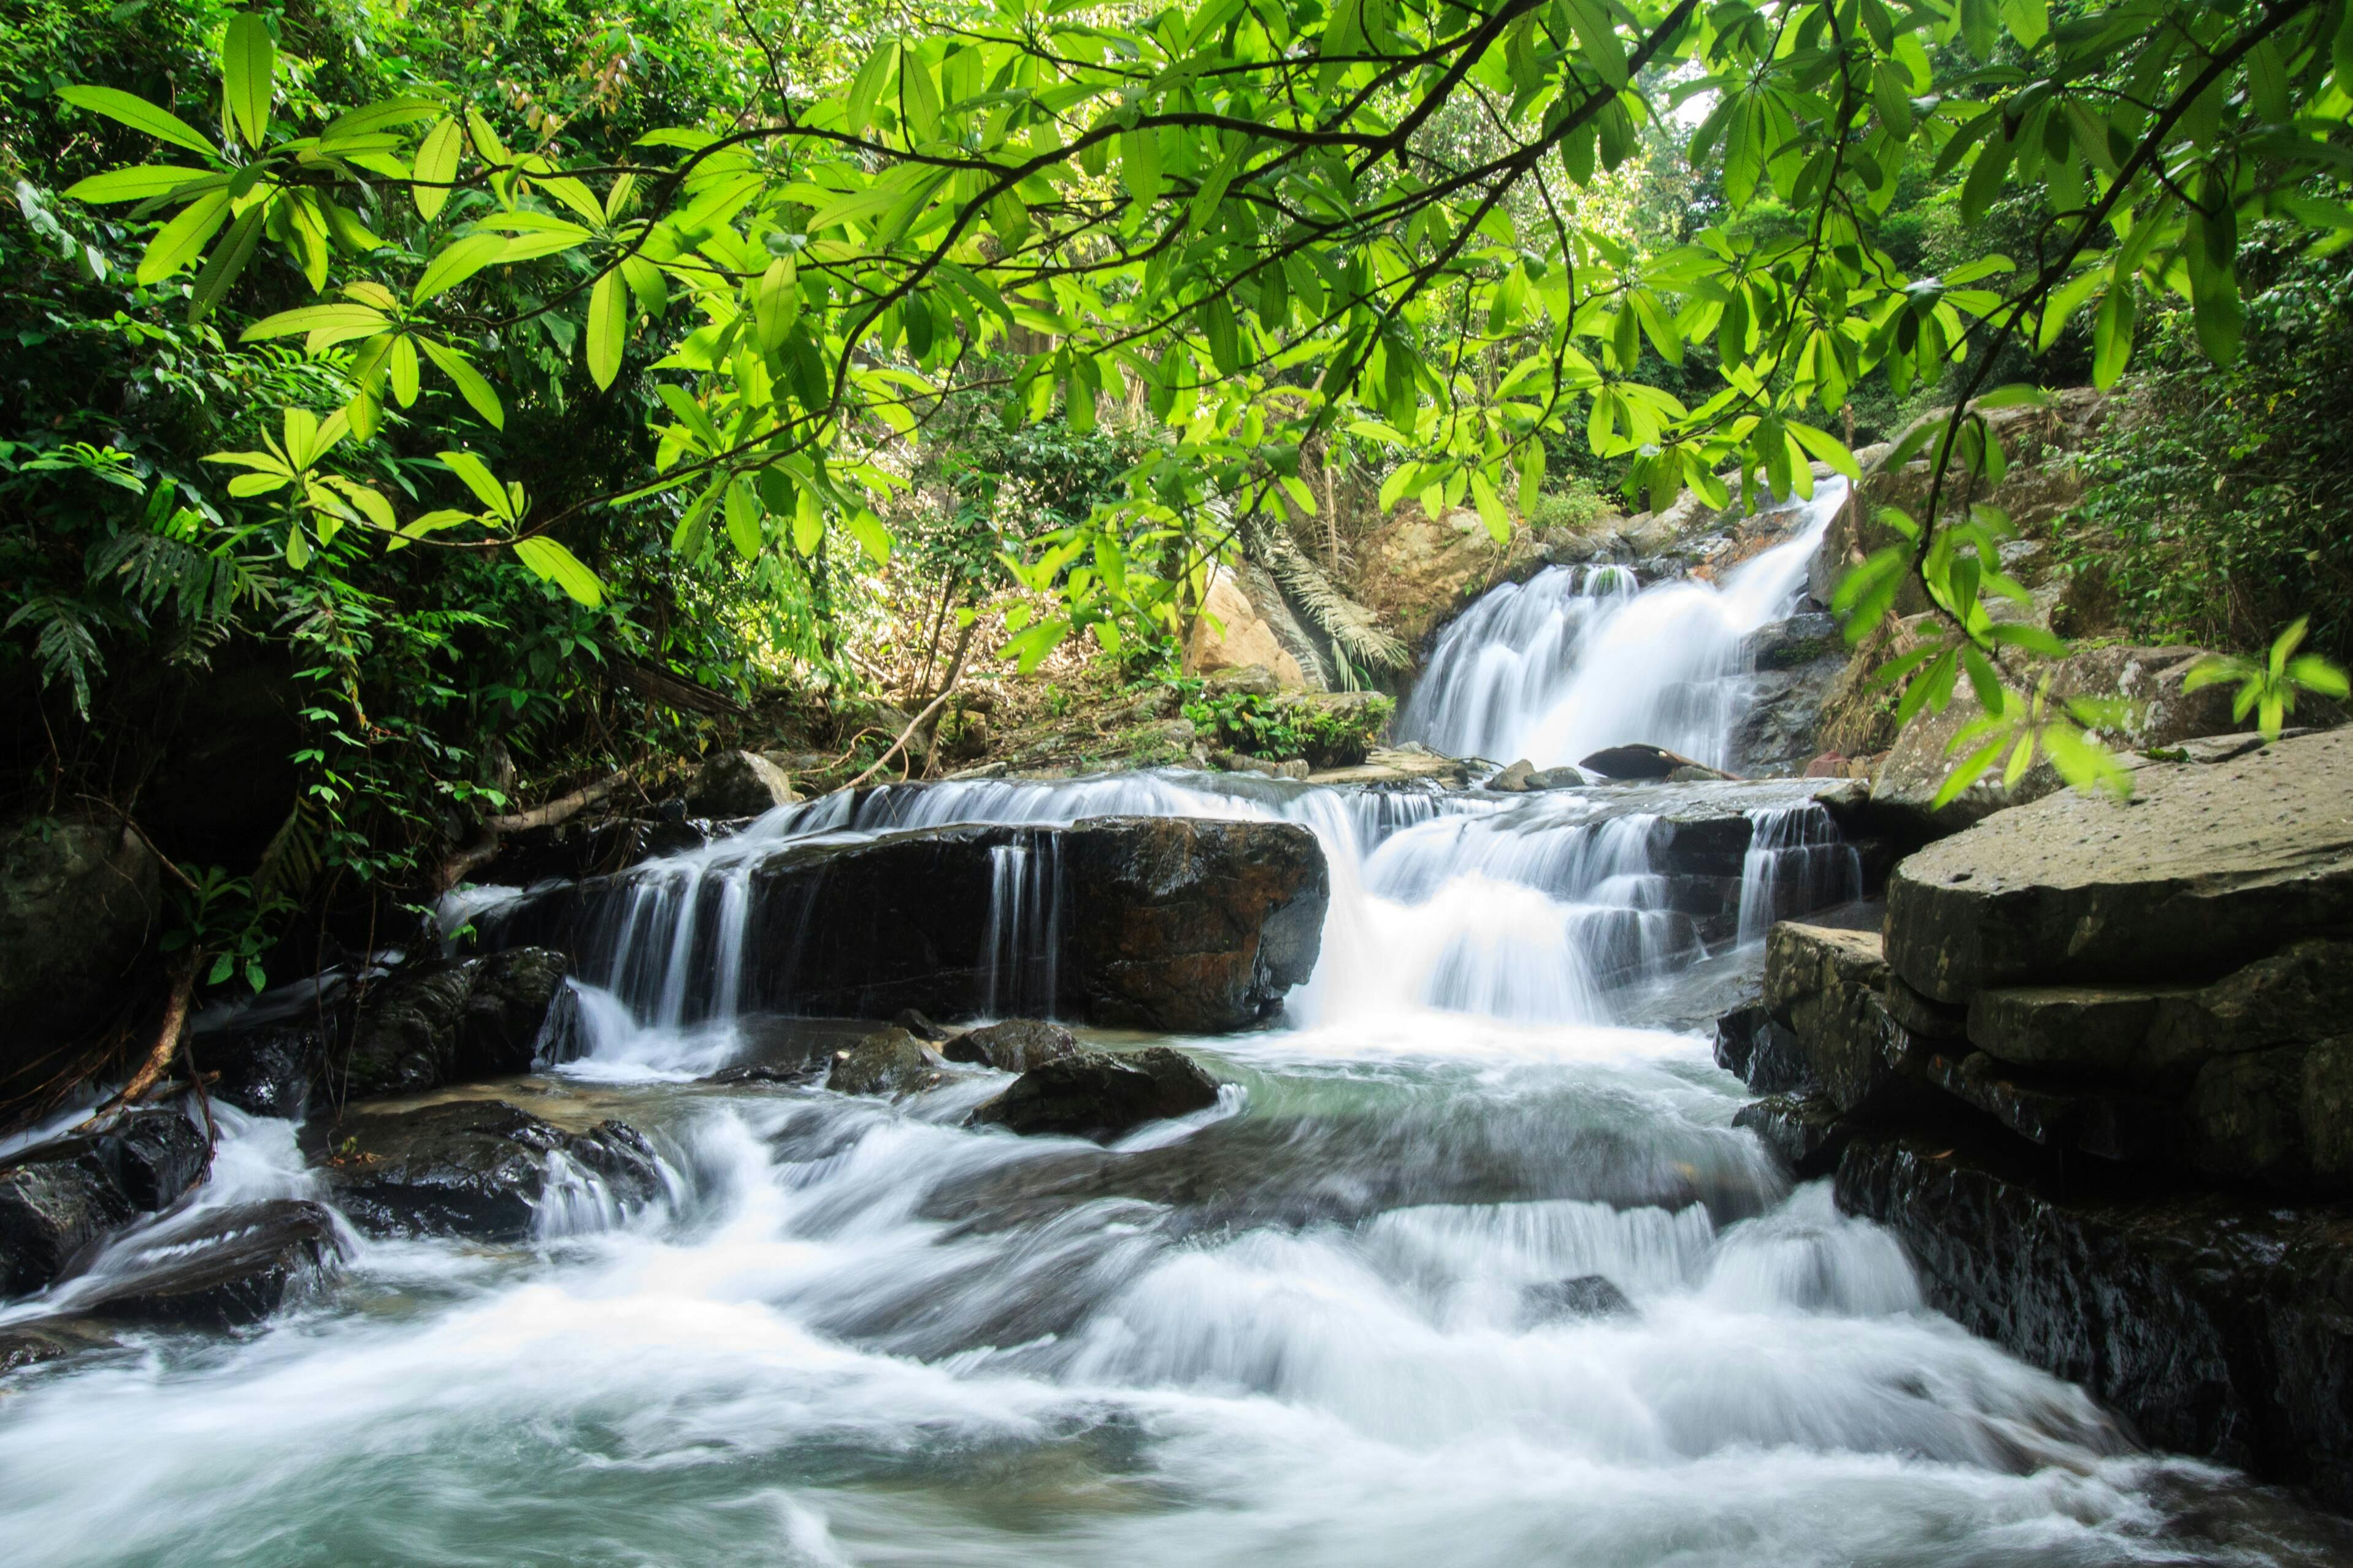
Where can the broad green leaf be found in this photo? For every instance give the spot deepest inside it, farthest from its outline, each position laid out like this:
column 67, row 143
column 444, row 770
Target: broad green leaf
column 743, row 517
column 142, row 184
column 140, row 115
column 478, row 478
column 871, row 536
column 183, row 239
column 228, row 258
column 1490, row 509
column 469, row 382
column 457, row 261
column 437, row 165
column 550, row 560
column 341, row 323
column 248, row 72
column 608, row 328
column 2111, row 335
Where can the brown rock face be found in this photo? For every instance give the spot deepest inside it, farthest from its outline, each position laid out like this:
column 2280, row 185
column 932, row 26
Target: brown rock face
column 2211, row 866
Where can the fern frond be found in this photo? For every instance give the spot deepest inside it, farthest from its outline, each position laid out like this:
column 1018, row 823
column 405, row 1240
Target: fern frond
column 1356, row 634
column 66, row 647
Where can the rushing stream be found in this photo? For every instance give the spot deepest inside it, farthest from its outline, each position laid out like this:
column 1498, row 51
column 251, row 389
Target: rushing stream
column 1355, row 1315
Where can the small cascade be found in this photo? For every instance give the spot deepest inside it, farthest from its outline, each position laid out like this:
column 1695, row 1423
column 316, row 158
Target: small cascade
column 1577, row 659
column 1796, row 860
column 1024, row 940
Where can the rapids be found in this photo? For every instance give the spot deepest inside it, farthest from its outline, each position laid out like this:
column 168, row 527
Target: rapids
column 1346, row 1317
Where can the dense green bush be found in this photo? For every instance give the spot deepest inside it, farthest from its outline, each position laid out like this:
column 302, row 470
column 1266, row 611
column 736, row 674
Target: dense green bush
column 2220, row 495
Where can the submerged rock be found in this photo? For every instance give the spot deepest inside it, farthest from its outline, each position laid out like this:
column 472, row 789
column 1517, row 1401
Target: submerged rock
column 473, row 1168
column 42, row 1340
column 1016, row 1045
column 236, row 1265
column 1586, row 1296
column 57, row 1197
column 1100, row 1095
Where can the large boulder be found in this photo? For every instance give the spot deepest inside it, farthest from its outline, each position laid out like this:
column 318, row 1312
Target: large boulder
column 1102, row 1094
column 472, row 1168
column 739, row 783
column 1164, row 924
column 57, row 1197
column 2207, row 867
column 1233, row 633
column 79, row 900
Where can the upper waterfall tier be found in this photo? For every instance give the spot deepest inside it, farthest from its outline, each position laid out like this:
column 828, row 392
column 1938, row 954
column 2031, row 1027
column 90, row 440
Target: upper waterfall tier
column 1577, row 658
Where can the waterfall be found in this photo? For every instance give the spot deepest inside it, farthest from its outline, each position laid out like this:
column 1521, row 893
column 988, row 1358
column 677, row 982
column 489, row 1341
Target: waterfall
column 1577, row 658
column 1024, row 940
column 1796, row 860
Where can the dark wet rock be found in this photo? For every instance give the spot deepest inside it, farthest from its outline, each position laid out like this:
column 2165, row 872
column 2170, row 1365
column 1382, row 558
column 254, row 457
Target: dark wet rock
column 1586, row 1296
column 1825, row 985
column 407, row 1040
column 1015, row 1046
column 2209, row 867
column 888, row 1061
column 2087, row 1030
column 474, row 1168
column 739, row 783
column 1927, row 1020
column 2219, row 1325
column 1799, row 640
column 505, row 1008
column 1760, row 1050
column 1638, row 761
column 2061, row 1114
column 418, row 1027
column 79, row 901
column 921, row 1024
column 57, row 1197
column 233, row 1267
column 1189, row 926
column 1806, row 1130
column 1100, row 1095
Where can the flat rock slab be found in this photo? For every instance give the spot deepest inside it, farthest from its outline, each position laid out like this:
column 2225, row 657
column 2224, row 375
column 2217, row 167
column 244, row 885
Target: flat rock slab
column 2209, row 866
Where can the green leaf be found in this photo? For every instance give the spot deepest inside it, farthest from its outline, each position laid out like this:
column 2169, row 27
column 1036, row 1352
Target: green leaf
column 608, row 328
column 228, row 258
column 468, row 382
column 436, row 166
column 249, row 69
column 333, row 323
column 184, row 238
column 140, row 115
column 548, row 560
column 478, row 478
column 743, row 517
column 144, row 182
column 1970, row 769
column 457, row 261
column 871, row 536
column 1490, row 509
column 2112, row 335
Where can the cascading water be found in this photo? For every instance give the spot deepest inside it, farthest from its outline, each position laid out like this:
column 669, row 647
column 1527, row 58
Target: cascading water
column 1459, row 1270
column 1577, row 658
